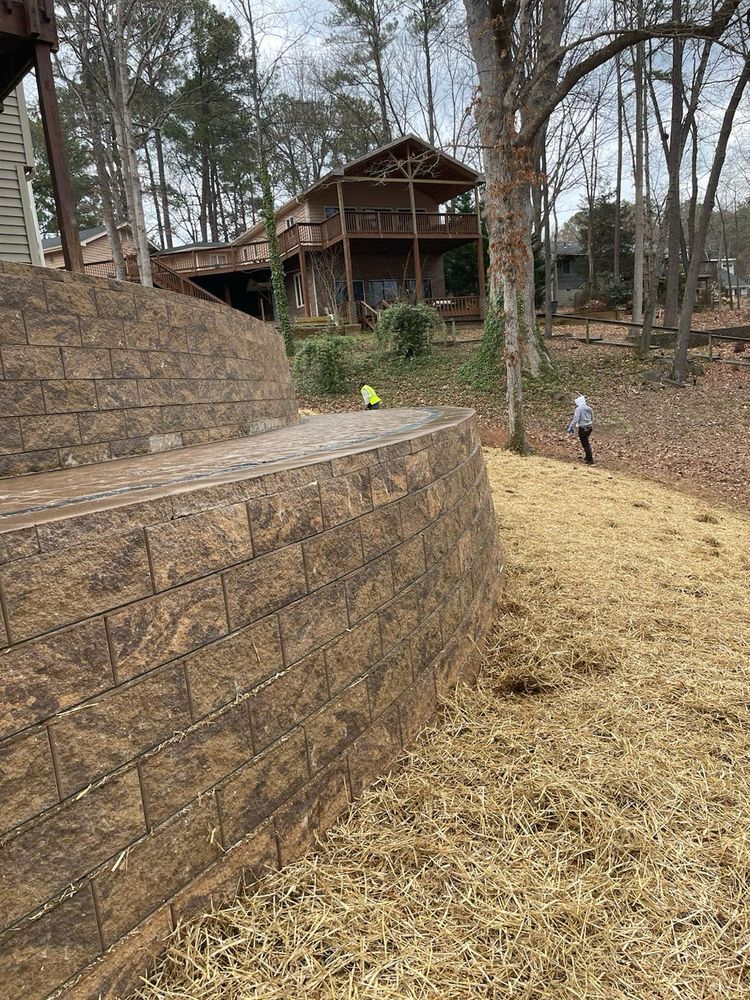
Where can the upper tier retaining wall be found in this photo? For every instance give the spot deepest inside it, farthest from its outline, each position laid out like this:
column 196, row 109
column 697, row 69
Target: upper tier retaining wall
column 196, row 684
column 95, row 369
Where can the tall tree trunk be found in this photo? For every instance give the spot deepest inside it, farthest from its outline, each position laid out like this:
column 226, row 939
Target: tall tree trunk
column 205, row 193
column 638, row 181
column 154, row 192
column 726, row 255
column 617, row 241
column 431, row 124
column 674, row 162
column 548, row 292
column 163, row 195
column 679, row 366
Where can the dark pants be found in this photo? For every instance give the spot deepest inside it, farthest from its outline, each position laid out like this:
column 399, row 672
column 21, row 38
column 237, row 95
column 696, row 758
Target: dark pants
column 373, row 406
column 584, row 433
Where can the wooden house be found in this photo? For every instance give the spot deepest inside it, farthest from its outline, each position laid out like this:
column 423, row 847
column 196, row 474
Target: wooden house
column 372, row 232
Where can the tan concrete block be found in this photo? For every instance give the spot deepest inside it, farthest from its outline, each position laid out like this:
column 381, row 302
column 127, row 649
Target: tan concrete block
column 88, row 362
column 285, row 517
column 37, row 957
column 103, row 332
column 66, row 844
column 108, row 426
column 120, row 971
column 21, row 292
column 408, row 562
column 234, row 873
column 116, row 302
column 196, row 545
column 401, row 616
column 258, row 588
column 85, row 454
column 183, row 770
column 128, row 447
column 54, row 589
column 288, row 699
column 353, row 463
column 333, row 554
column 369, row 588
column 418, row 510
column 345, row 497
column 12, row 329
column 353, row 653
column 255, row 791
column 70, row 297
column 54, row 330
column 389, row 679
column 150, row 632
column 374, row 754
column 442, row 537
column 130, row 364
column 10, row 436
column 88, row 527
column 388, row 481
column 18, row 544
column 426, row 644
column 32, row 362
column 117, row 394
column 27, row 779
column 29, row 461
column 157, row 392
column 381, row 530
column 157, row 867
column 417, row 706
column 20, row 397
column 314, row 620
column 101, row 735
column 69, row 395
column 312, row 811
column 233, row 665
column 337, row 725
column 54, row 431
column 142, row 336
column 418, row 472
column 222, row 495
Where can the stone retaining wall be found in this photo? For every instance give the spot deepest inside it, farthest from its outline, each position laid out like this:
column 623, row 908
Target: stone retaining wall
column 95, row 369
column 195, row 686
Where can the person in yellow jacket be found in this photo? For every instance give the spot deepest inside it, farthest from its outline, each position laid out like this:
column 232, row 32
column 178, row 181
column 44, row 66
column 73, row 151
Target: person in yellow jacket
column 370, row 398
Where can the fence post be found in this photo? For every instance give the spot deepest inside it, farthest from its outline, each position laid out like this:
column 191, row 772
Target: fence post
column 710, row 347
column 453, row 328
column 588, row 340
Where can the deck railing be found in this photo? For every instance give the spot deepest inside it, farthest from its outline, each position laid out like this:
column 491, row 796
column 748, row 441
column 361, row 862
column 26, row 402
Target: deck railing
column 319, row 235
column 457, row 306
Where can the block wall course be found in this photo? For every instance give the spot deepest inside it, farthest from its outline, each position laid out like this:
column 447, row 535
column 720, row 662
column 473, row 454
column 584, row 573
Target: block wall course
column 222, row 670
column 70, row 347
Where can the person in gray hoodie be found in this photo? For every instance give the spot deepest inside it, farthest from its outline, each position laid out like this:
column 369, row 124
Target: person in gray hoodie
column 583, row 422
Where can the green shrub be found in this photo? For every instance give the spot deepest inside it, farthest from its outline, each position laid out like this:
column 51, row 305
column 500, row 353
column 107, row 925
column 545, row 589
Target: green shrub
column 485, row 368
column 406, row 329
column 321, row 364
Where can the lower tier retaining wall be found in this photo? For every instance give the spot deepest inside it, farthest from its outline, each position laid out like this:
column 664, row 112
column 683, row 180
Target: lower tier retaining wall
column 194, row 687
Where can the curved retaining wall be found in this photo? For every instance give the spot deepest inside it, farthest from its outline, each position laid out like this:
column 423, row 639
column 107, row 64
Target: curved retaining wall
column 196, row 684
column 94, row 369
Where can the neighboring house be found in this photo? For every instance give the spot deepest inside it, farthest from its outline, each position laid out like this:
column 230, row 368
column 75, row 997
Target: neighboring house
column 571, row 271
column 366, row 234
column 96, row 249
column 715, row 274
column 19, row 233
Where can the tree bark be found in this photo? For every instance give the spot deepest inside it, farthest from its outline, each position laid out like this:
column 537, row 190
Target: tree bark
column 679, row 366
column 163, row 195
column 638, row 182
column 674, row 162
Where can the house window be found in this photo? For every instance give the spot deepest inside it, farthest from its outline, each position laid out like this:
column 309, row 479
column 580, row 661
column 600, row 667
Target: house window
column 358, row 287
column 382, row 290
column 410, row 286
column 565, row 265
column 298, row 296
column 290, row 222
column 329, row 210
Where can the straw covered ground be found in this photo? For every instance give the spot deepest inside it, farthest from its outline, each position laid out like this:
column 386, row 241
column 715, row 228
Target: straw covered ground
column 578, row 826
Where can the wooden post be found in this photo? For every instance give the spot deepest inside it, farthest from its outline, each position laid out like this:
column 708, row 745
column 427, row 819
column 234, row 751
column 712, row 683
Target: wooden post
column 710, row 348
column 58, row 161
column 227, row 291
column 351, row 307
column 453, row 327
column 481, row 276
column 588, row 340
column 303, row 277
column 417, row 258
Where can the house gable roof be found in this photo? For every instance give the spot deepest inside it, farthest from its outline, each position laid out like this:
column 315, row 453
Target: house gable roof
column 390, row 161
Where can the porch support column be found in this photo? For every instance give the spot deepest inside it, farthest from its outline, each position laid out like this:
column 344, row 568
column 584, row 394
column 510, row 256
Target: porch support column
column 481, row 276
column 227, row 291
column 417, row 258
column 58, row 161
column 351, row 308
column 303, row 276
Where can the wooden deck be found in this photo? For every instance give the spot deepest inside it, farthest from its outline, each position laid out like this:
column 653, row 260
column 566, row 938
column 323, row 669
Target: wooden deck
column 320, row 236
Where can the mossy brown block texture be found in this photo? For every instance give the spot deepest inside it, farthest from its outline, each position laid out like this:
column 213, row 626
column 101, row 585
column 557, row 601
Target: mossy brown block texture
column 127, row 370
column 208, row 654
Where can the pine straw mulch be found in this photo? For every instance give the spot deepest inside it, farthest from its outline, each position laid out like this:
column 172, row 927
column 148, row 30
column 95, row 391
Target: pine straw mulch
column 578, row 826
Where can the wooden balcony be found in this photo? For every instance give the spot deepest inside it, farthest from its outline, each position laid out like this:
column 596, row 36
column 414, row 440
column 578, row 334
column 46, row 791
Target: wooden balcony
column 320, row 236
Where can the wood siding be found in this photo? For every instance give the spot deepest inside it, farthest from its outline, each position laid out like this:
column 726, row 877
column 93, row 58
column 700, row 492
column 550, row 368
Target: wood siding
column 99, row 249
column 19, row 239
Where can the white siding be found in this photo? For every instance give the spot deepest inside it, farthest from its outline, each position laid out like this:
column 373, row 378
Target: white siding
column 19, row 239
